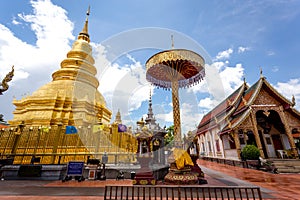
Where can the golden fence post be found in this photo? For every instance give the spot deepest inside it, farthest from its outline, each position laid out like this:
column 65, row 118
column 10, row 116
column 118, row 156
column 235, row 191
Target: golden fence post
column 56, row 139
column 17, row 138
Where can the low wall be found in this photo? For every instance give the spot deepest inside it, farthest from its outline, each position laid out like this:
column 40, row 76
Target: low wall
column 58, row 172
column 47, row 172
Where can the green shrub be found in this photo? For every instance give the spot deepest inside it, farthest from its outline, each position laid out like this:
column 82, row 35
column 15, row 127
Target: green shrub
column 250, row 152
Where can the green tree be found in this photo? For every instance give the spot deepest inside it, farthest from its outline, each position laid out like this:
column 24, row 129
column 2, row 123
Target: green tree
column 169, row 137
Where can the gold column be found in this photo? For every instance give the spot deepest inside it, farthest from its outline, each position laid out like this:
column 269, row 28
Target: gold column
column 176, row 114
column 288, row 130
column 237, row 142
column 37, row 141
column 256, row 135
column 56, row 141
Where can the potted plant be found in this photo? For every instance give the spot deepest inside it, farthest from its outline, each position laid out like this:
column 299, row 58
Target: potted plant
column 251, row 154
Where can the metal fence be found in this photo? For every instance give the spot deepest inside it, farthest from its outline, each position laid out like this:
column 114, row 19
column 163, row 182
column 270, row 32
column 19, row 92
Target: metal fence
column 182, row 192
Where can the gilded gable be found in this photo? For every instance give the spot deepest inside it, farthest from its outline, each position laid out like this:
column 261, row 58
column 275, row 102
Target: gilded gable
column 264, row 98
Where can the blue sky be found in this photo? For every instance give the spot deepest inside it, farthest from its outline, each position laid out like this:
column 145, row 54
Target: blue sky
column 236, row 38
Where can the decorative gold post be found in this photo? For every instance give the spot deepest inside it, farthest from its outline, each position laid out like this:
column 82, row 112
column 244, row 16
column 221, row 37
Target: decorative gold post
column 256, row 135
column 17, row 137
column 174, row 69
column 288, row 131
column 56, row 140
column 176, row 114
column 237, row 142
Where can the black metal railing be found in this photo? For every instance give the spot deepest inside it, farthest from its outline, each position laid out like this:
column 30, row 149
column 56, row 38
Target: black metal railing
column 182, row 192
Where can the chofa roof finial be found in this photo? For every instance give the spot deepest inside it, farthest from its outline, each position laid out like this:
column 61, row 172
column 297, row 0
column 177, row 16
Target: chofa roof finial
column 261, row 72
column 293, row 101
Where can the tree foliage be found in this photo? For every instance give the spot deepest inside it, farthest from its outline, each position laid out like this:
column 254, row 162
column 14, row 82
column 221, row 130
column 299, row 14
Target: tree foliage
column 250, row 152
column 169, row 137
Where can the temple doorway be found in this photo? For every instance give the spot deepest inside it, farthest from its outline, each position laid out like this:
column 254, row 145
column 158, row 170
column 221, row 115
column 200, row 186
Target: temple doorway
column 271, row 131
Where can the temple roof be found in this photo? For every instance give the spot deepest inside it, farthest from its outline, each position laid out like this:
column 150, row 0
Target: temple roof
column 221, row 111
column 231, row 112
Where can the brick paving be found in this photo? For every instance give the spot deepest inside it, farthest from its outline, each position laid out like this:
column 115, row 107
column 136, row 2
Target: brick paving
column 273, row 186
column 280, row 186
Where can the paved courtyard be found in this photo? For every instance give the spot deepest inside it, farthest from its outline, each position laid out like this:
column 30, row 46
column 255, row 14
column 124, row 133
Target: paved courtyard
column 273, row 186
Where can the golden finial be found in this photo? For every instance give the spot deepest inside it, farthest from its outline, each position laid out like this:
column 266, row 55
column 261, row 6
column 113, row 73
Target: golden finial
column 84, row 33
column 172, row 40
column 293, row 101
column 88, row 11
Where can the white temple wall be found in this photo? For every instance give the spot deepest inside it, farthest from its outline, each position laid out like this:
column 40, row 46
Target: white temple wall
column 285, row 141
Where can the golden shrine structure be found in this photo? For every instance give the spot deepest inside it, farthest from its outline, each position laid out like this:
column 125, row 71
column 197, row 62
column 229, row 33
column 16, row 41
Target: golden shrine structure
column 174, row 69
column 71, row 99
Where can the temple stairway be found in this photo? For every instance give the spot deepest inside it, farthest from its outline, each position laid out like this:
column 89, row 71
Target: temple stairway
column 287, row 165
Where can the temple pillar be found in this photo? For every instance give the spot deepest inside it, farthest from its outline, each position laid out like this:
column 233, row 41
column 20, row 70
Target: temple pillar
column 256, row 134
column 237, row 142
column 287, row 130
column 176, row 114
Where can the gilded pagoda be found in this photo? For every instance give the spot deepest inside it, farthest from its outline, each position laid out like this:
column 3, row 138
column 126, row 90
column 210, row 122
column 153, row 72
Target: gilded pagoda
column 67, row 119
column 72, row 97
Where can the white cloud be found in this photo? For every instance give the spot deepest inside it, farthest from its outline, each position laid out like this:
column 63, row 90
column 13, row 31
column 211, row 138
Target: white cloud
column 124, row 87
column 220, row 81
column 190, row 117
column 290, row 88
column 34, row 63
column 275, row 69
column 53, row 31
column 207, row 103
column 232, row 78
column 167, row 117
column 243, row 49
column 224, row 54
column 15, row 22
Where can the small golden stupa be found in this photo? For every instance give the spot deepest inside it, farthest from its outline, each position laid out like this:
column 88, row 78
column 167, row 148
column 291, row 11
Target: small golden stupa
column 72, row 98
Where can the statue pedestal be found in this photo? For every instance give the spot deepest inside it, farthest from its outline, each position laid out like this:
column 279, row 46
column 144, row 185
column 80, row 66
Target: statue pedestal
column 180, row 173
column 144, row 176
column 181, row 176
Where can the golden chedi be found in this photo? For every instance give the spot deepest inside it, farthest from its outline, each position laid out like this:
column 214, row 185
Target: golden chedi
column 72, row 98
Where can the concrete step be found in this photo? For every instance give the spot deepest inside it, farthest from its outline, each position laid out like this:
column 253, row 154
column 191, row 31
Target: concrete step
column 287, row 165
column 294, row 171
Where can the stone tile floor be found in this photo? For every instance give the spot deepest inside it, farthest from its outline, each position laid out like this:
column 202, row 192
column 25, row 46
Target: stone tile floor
column 280, row 186
column 276, row 186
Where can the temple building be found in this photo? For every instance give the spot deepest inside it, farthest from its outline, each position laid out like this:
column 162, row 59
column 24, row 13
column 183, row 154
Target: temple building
column 72, row 98
column 256, row 114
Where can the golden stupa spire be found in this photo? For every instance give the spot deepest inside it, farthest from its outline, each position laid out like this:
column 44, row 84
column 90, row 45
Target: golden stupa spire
column 84, row 34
